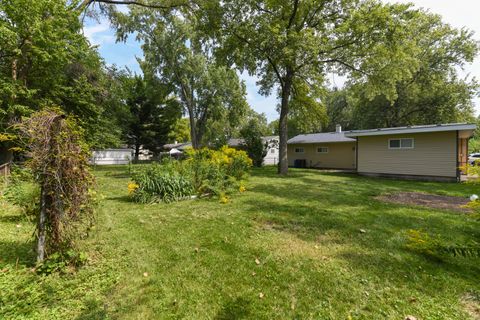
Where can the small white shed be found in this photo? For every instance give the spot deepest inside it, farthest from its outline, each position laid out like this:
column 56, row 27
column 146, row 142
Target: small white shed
column 112, row 156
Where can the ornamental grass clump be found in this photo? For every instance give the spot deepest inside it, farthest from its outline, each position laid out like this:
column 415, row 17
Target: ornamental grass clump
column 155, row 183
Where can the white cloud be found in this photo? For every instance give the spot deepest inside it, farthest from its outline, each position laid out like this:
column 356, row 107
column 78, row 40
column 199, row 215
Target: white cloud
column 99, row 33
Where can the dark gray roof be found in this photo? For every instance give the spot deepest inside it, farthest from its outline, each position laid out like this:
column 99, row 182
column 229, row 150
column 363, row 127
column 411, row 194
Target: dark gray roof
column 325, row 137
column 236, row 142
column 179, row 146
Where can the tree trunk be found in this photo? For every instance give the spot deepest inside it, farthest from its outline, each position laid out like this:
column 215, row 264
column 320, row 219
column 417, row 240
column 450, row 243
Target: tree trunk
column 14, row 69
column 283, row 124
column 193, row 131
column 41, row 227
column 137, row 152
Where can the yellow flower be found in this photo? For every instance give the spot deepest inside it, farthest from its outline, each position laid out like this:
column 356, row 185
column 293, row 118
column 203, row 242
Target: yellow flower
column 242, row 188
column 132, row 187
column 224, row 199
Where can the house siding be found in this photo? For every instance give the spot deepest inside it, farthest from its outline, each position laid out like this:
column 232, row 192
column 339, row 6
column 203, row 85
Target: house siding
column 272, row 157
column 434, row 154
column 107, row 157
column 340, row 155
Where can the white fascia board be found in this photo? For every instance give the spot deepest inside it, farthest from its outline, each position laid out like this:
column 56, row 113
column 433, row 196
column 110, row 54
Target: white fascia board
column 389, row 131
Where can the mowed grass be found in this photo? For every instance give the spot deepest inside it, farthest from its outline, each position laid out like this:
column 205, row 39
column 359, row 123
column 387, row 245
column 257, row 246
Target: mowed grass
column 288, row 248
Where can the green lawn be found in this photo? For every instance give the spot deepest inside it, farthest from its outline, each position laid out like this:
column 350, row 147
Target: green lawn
column 294, row 240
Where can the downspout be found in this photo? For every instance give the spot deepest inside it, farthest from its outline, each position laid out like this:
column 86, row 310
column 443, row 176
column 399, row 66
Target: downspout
column 356, row 154
column 456, row 157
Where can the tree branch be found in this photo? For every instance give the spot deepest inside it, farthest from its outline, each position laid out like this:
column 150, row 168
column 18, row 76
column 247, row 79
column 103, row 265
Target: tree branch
column 270, row 60
column 294, row 13
column 86, row 3
column 345, row 64
column 259, row 8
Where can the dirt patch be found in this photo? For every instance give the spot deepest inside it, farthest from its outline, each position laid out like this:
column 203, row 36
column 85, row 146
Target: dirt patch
column 471, row 303
column 427, row 200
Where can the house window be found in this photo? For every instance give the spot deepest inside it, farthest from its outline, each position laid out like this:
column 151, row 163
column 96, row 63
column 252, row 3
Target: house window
column 404, row 143
column 322, row 150
column 299, row 150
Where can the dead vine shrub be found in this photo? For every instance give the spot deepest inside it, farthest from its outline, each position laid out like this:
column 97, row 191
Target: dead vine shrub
column 58, row 158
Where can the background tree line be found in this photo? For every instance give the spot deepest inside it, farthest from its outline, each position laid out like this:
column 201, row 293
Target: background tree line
column 400, row 64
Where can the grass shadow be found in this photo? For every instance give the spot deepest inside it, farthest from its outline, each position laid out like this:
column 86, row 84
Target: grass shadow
column 13, row 218
column 238, row 308
column 94, row 310
column 17, row 253
column 122, row 199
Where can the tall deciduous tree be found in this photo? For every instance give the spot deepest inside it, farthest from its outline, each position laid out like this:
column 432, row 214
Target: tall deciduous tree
column 210, row 93
column 180, row 131
column 297, row 42
column 434, row 93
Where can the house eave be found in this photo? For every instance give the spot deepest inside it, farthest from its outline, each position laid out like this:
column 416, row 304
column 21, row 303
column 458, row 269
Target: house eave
column 468, row 128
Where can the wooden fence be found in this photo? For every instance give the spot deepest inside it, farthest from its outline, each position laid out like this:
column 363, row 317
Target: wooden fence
column 5, row 169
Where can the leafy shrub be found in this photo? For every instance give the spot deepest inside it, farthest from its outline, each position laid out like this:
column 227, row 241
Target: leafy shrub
column 156, row 183
column 217, row 171
column 60, row 261
column 423, row 243
column 204, row 172
column 22, row 191
column 472, row 171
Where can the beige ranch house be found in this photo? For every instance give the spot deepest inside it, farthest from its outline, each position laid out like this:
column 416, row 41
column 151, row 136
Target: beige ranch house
column 430, row 152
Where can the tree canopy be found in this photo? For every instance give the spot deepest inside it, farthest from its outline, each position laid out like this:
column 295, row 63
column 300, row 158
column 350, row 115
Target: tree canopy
column 45, row 60
column 211, row 94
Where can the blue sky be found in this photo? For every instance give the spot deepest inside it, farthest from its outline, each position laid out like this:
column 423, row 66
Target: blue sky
column 125, row 55
column 459, row 13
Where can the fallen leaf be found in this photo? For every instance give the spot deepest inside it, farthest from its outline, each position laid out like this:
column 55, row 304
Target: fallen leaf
column 257, row 261
column 254, row 273
column 260, row 295
column 19, row 225
column 410, row 318
column 145, row 274
column 196, row 249
column 4, row 270
column 362, row 231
